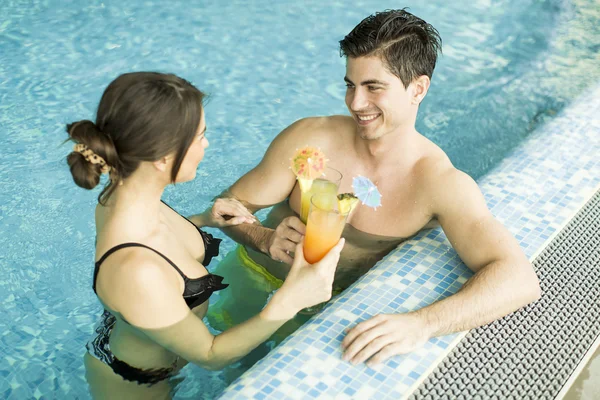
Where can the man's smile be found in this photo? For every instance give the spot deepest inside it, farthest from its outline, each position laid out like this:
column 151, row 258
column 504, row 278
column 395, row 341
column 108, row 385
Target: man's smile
column 366, row 119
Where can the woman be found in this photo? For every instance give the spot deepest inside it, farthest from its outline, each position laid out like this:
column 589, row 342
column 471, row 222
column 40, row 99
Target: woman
column 150, row 271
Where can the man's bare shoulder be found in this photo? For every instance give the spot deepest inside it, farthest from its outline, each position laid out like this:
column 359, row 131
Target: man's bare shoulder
column 318, row 131
column 326, row 123
column 432, row 160
column 436, row 173
column 441, row 183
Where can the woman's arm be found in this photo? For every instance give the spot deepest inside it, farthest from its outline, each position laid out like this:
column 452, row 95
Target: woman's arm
column 154, row 305
column 224, row 212
column 191, row 339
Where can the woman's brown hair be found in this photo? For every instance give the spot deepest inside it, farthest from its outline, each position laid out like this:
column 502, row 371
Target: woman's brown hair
column 142, row 116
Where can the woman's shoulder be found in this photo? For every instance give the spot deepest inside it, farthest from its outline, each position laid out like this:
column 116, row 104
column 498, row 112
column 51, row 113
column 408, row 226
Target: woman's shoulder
column 131, row 273
column 142, row 288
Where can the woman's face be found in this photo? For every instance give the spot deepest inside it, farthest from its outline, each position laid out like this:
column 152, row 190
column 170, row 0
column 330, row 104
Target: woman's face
column 195, row 154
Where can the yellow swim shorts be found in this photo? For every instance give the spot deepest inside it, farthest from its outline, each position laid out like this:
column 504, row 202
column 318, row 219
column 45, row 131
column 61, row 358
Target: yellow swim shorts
column 250, row 286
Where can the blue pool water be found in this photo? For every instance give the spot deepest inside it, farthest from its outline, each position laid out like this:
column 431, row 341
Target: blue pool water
column 507, row 67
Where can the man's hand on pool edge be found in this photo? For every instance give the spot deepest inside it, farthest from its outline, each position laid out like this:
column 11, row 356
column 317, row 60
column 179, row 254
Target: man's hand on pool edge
column 384, row 336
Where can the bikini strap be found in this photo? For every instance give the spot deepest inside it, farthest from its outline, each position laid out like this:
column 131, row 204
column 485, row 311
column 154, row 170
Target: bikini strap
column 177, row 212
column 211, row 244
column 132, row 244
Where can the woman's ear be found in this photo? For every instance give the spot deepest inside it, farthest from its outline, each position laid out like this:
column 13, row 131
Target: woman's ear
column 162, row 164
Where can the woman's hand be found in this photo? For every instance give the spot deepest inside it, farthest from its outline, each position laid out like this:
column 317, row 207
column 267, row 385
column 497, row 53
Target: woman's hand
column 306, row 285
column 224, row 212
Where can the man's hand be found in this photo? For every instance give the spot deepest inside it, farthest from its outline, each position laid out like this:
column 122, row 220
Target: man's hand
column 383, row 336
column 224, row 212
column 284, row 239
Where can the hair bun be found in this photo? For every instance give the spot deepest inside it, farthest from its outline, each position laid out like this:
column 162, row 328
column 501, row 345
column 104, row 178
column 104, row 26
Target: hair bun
column 86, row 172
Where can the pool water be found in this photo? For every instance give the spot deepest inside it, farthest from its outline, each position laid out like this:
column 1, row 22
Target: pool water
column 507, row 67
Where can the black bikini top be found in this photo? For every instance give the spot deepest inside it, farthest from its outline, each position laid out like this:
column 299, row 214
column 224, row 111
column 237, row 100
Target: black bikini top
column 197, row 290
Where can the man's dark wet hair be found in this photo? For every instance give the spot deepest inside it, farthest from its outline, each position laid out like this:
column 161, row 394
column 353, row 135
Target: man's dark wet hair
column 407, row 45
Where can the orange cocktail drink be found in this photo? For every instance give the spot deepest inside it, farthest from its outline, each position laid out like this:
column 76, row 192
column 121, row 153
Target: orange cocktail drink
column 324, row 227
column 329, row 183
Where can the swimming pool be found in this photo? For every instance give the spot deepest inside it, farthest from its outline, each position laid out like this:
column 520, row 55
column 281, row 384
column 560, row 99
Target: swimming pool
column 506, row 68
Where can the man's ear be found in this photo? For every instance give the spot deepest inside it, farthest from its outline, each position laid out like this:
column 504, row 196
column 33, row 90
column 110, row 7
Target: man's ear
column 420, row 88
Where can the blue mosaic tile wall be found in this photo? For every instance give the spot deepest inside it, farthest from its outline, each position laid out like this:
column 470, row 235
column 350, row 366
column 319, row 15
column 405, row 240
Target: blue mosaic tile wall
column 534, row 193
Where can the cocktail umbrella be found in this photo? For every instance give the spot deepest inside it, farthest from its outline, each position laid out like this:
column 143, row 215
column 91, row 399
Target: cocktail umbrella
column 366, row 191
column 308, row 164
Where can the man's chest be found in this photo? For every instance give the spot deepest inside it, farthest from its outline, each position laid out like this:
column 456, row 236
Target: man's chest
column 404, row 210
column 396, row 217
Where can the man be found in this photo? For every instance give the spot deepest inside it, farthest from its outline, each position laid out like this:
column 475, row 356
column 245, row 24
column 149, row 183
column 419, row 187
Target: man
column 390, row 60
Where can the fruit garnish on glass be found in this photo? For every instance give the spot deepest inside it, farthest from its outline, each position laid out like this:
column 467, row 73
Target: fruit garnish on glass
column 347, row 202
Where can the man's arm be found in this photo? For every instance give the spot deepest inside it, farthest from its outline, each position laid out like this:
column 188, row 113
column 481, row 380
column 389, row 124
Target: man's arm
column 270, row 183
column 504, row 279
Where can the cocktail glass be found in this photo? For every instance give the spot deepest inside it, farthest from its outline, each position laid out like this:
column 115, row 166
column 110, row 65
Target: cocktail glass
column 324, row 227
column 329, row 182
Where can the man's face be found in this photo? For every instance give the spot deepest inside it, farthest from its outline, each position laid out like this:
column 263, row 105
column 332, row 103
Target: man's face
column 376, row 98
